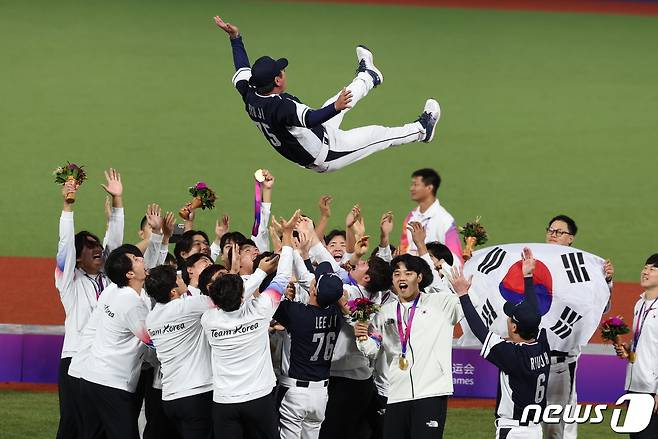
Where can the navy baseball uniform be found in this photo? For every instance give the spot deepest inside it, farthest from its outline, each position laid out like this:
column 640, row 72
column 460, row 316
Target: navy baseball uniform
column 313, row 330
column 312, row 138
column 523, row 367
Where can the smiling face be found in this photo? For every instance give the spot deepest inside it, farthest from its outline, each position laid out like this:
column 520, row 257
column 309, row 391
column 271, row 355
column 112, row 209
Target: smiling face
column 248, row 253
column 649, row 277
column 337, row 247
column 406, row 283
column 195, row 270
column 91, row 256
column 360, row 273
column 558, row 233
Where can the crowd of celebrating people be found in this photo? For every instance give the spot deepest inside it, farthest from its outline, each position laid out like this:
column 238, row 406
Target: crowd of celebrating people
column 252, row 335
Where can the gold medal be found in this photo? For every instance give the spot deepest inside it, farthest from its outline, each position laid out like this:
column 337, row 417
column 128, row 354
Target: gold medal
column 632, row 357
column 403, row 363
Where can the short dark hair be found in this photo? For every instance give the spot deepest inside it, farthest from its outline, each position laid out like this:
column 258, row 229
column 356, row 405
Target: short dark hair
column 429, row 176
column 333, row 234
column 246, row 242
column 159, row 283
column 118, row 264
column 226, row 292
column 85, row 239
column 571, row 224
column 652, row 260
column 527, row 335
column 143, row 223
column 206, row 276
column 185, row 245
column 193, row 259
column 440, row 251
column 417, row 265
column 170, row 260
column 380, row 273
column 231, row 236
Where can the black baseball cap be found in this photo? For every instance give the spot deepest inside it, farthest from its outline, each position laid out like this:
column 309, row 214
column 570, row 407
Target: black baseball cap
column 525, row 315
column 265, row 69
column 329, row 286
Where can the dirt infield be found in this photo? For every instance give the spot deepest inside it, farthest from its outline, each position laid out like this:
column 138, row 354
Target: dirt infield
column 28, row 294
column 579, row 6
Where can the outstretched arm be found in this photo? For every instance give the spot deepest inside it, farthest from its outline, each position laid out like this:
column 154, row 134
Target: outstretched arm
column 528, row 284
column 461, row 285
column 240, row 58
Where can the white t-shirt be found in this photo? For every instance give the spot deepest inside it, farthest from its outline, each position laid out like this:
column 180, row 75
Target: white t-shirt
column 116, row 354
column 642, row 376
column 241, row 360
column 181, row 346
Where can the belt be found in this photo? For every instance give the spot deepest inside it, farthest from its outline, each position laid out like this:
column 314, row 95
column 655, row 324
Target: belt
column 291, row 382
column 560, row 357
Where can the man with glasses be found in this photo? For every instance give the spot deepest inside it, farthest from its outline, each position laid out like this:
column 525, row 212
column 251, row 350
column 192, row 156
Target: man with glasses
column 561, row 388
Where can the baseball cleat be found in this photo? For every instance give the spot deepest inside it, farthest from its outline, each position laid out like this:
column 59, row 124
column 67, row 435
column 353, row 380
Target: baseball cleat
column 429, row 118
column 364, row 56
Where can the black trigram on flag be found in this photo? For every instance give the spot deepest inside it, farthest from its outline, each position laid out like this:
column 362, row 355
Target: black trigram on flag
column 574, row 263
column 488, row 313
column 492, row 260
column 564, row 327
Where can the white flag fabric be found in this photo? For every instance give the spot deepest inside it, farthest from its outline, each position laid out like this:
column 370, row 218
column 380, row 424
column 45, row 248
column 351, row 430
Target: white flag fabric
column 570, row 286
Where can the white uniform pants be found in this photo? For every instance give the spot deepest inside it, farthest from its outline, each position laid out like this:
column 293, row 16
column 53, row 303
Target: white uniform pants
column 342, row 148
column 302, row 412
column 562, row 390
column 511, row 430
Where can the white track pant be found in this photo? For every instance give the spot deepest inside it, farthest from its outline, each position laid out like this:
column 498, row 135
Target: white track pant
column 562, row 390
column 510, row 432
column 343, row 148
column 302, row 412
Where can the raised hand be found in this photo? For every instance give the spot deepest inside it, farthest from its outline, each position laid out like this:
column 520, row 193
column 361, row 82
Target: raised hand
column 289, row 225
column 221, row 227
column 235, row 258
column 325, row 205
column 154, row 218
column 229, row 28
column 305, row 242
column 417, row 233
column 305, row 225
column 361, row 247
column 269, row 264
column 459, row 283
column 114, row 187
column 344, row 100
column 168, row 224
column 609, row 270
column 269, row 179
column 528, row 262
column 353, row 216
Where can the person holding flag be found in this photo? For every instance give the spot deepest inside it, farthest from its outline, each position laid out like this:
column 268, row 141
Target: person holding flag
column 523, row 358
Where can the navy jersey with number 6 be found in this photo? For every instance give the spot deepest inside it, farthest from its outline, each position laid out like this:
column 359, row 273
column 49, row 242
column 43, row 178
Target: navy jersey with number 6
column 313, row 332
column 523, row 374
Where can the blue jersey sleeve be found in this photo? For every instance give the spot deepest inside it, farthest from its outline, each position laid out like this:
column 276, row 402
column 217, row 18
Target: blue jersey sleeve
column 282, row 314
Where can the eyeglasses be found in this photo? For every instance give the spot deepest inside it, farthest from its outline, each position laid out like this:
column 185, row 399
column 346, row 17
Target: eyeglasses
column 556, row 232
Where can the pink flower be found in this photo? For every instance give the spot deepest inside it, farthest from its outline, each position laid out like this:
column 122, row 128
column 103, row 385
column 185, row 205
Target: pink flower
column 201, row 186
column 72, row 166
column 616, row 321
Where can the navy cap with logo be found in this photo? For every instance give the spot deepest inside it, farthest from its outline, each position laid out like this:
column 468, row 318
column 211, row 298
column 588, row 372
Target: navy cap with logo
column 524, row 314
column 265, row 69
column 329, row 286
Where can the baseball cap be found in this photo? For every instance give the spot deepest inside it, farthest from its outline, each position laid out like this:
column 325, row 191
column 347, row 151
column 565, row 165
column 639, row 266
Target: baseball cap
column 265, row 69
column 329, row 286
column 525, row 316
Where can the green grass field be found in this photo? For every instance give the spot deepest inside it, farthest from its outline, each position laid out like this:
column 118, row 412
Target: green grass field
column 40, row 421
column 542, row 113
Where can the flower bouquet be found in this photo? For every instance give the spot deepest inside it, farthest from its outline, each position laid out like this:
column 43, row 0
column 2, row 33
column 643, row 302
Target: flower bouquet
column 70, row 172
column 362, row 310
column 611, row 329
column 474, row 234
column 204, row 197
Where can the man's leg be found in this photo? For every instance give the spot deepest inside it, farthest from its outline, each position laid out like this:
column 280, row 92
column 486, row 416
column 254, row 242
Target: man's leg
column 376, row 412
column 191, row 415
column 158, row 424
column 91, row 426
column 558, row 392
column 226, row 421
column 292, row 410
column 428, row 417
column 67, row 402
column 346, row 407
column 396, row 420
column 571, row 430
column 116, row 410
column 260, row 417
column 368, row 76
column 317, row 406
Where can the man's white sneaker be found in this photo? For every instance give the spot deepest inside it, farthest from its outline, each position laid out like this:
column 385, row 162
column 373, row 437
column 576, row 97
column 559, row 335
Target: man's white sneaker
column 364, row 57
column 429, row 118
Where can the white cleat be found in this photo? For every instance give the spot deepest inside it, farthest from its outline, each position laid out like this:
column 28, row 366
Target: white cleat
column 364, row 57
column 429, row 118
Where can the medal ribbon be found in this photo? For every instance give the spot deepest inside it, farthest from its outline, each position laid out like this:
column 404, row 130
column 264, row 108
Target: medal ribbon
column 406, row 334
column 640, row 322
column 257, row 198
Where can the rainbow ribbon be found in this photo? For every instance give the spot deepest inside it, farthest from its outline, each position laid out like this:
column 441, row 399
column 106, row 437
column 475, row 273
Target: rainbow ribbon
column 257, row 198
